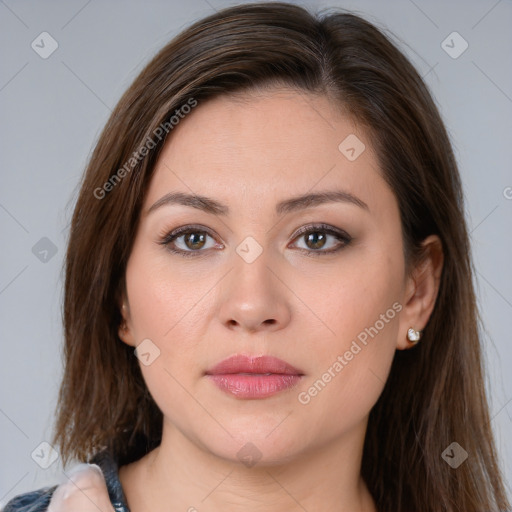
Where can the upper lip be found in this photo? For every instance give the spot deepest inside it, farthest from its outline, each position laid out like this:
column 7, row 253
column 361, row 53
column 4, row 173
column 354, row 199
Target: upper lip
column 240, row 363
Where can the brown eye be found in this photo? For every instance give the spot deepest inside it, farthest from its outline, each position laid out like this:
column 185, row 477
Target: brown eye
column 188, row 241
column 317, row 238
column 194, row 240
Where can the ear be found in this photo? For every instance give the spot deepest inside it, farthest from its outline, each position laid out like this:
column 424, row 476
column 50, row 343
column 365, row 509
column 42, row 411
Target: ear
column 125, row 331
column 421, row 290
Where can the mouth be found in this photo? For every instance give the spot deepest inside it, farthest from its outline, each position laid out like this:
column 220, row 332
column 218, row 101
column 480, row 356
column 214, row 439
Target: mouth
column 253, row 377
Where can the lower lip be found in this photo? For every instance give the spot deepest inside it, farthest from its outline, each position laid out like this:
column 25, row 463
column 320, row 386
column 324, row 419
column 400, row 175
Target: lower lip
column 242, row 385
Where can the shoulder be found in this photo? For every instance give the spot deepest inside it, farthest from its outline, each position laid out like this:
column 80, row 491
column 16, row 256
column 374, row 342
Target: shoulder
column 39, row 500
column 34, row 501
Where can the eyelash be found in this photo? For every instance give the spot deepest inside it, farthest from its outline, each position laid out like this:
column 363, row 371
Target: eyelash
column 342, row 236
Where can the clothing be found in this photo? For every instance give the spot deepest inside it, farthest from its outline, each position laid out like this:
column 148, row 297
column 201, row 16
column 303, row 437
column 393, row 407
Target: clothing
column 38, row 501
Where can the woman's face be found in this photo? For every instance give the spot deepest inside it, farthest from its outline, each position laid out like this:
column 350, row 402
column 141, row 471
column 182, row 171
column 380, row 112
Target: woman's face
column 333, row 303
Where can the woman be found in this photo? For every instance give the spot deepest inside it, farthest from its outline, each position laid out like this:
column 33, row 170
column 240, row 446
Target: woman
column 268, row 298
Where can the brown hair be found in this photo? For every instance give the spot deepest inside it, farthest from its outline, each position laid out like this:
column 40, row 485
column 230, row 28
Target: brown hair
column 435, row 393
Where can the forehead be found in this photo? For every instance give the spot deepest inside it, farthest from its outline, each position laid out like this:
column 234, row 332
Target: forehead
column 254, row 147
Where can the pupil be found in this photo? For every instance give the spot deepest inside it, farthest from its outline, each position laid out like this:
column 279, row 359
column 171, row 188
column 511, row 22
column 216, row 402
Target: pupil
column 315, row 240
column 192, row 236
column 319, row 237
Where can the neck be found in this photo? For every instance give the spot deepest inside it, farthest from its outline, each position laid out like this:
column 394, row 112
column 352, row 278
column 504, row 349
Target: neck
column 179, row 475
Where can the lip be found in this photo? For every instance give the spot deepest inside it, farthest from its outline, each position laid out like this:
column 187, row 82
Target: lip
column 254, row 377
column 240, row 363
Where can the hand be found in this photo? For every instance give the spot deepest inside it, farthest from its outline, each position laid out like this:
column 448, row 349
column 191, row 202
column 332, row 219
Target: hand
column 84, row 491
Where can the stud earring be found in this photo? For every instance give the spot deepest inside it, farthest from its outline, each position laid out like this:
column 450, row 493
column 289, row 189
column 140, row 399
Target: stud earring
column 413, row 336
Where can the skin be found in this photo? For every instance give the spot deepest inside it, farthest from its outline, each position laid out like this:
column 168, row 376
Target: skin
column 250, row 152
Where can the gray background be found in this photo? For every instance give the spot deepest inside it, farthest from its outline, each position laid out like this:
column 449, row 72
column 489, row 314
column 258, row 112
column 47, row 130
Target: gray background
column 52, row 111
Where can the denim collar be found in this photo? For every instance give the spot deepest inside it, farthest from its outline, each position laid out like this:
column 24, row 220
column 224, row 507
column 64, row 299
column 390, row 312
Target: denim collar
column 110, row 469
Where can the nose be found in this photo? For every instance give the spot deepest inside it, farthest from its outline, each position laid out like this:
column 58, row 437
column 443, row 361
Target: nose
column 254, row 296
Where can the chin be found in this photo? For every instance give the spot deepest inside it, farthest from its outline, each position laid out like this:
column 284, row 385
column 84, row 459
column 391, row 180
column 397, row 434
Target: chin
column 255, row 443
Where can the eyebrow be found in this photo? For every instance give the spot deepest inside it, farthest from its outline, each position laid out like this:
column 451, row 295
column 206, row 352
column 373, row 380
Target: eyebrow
column 292, row 204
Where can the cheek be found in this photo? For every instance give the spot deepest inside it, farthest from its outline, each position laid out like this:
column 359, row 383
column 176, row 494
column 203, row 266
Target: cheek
column 162, row 310
column 170, row 306
column 351, row 294
column 164, row 301
column 360, row 306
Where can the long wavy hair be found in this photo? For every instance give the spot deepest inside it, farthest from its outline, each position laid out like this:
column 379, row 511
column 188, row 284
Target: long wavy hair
column 435, row 394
